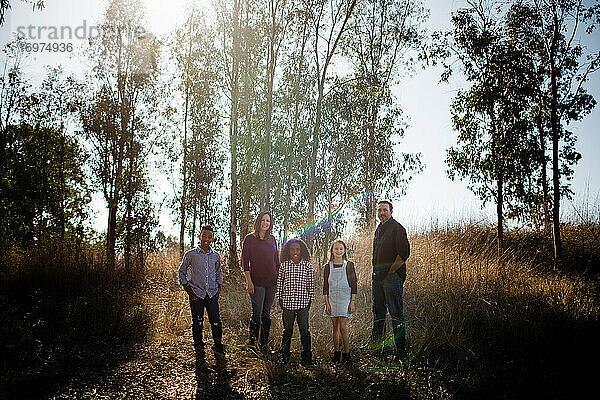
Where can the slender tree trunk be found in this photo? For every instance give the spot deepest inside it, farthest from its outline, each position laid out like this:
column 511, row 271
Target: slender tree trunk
column 185, row 180
column 127, row 219
column 288, row 184
column 545, row 190
column 292, row 155
column 322, row 75
column 113, row 198
column 313, row 161
column 266, row 193
column 369, row 174
column 61, row 175
column 185, row 157
column 266, row 168
column 329, row 222
column 111, row 233
column 555, row 137
column 498, row 166
column 233, row 133
column 195, row 216
column 499, row 211
column 246, row 196
column 130, row 189
column 245, row 217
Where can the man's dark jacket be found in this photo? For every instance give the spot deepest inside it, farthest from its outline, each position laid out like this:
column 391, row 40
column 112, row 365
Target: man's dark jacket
column 390, row 241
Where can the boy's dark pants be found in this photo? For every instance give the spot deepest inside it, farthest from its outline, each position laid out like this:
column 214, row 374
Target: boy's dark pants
column 288, row 329
column 212, row 309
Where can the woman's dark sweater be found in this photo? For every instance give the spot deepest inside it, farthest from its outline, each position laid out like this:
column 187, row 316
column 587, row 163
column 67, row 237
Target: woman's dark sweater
column 261, row 258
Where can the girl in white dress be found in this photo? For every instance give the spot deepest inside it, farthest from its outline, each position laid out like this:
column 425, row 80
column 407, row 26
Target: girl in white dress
column 339, row 290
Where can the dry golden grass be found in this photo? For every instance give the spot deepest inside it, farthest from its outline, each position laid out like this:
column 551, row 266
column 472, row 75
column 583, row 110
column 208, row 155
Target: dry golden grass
column 510, row 325
column 475, row 323
column 478, row 326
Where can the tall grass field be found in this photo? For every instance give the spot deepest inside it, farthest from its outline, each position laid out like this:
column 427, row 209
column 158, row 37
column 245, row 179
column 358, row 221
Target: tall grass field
column 479, row 326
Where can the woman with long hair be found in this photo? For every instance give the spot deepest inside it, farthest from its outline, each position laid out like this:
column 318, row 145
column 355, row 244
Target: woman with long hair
column 260, row 261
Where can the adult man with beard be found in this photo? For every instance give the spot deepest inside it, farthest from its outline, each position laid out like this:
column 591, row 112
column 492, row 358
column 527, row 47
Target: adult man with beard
column 390, row 251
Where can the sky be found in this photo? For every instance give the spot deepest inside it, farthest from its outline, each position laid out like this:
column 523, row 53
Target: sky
column 431, row 197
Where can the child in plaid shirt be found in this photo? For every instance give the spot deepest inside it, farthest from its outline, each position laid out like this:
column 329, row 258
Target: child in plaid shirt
column 295, row 292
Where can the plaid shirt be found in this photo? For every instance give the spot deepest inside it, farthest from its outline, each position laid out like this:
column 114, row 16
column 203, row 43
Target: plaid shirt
column 295, row 284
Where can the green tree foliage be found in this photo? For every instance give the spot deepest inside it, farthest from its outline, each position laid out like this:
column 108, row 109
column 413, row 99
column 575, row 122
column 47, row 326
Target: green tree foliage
column 251, row 125
column 374, row 169
column 293, row 124
column 196, row 147
column 55, row 105
column 496, row 149
column 13, row 90
column 228, row 28
column 383, row 38
column 278, row 21
column 43, row 190
column 527, row 71
column 329, row 22
column 117, row 117
column 549, row 34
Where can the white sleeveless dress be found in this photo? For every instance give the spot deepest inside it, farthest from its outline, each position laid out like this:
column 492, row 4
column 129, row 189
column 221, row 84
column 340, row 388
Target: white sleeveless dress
column 340, row 292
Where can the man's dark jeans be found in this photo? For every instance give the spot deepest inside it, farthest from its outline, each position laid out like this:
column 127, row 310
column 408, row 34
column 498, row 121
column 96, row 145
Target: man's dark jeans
column 387, row 296
column 288, row 329
column 212, row 309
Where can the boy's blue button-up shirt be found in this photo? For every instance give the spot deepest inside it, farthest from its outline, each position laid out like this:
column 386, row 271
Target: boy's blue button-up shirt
column 201, row 271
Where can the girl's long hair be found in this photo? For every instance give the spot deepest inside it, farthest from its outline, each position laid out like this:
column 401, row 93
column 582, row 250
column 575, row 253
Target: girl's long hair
column 285, row 251
column 257, row 225
column 344, row 256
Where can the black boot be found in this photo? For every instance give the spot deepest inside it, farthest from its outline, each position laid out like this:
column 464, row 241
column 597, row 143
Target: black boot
column 400, row 342
column 218, row 349
column 400, row 353
column 378, row 331
column 265, row 328
column 306, row 358
column 197, row 335
column 285, row 357
column 336, row 357
column 346, row 358
column 377, row 335
column 254, row 328
column 199, row 350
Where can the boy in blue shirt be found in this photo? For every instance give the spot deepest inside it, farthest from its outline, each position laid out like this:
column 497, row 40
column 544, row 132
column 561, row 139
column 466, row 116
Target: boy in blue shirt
column 201, row 276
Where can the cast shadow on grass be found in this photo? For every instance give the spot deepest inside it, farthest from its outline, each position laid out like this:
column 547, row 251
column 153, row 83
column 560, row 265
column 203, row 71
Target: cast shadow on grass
column 66, row 319
column 514, row 347
column 326, row 380
column 214, row 382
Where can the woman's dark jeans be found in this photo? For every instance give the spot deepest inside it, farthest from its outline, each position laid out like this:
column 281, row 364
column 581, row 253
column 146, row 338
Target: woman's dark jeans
column 262, row 301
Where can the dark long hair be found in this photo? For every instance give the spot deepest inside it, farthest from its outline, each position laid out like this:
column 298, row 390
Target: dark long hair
column 285, row 251
column 257, row 225
column 344, row 256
